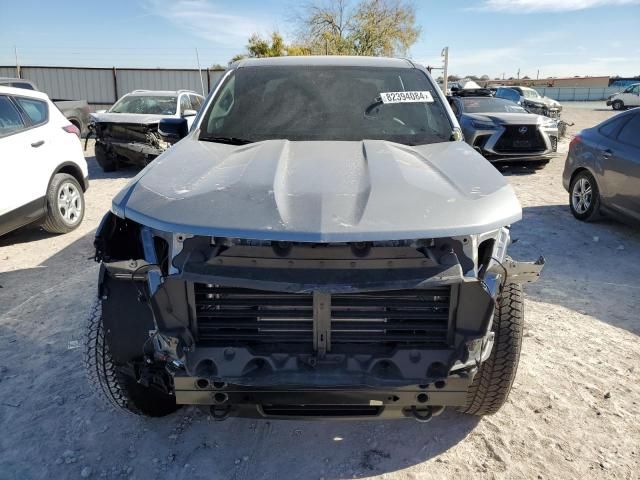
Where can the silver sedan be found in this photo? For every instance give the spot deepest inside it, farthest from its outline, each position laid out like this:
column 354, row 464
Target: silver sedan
column 503, row 131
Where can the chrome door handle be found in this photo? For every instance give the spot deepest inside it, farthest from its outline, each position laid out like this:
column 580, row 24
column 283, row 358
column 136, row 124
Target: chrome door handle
column 37, row 144
column 607, row 154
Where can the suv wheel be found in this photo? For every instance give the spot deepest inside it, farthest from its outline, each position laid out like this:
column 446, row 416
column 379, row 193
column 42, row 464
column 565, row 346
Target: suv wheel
column 65, row 204
column 584, row 196
column 118, row 390
column 618, row 105
column 492, row 383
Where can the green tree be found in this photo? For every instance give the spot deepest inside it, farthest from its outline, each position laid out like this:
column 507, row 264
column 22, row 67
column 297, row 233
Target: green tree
column 258, row 47
column 384, row 27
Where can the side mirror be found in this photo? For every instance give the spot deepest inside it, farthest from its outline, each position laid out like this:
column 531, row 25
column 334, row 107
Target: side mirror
column 189, row 113
column 173, row 129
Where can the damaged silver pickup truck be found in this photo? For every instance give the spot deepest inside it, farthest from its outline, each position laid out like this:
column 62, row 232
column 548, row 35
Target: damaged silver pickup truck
column 321, row 244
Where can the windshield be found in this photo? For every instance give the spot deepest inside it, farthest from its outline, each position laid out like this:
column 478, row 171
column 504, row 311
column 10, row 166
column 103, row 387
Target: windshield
column 327, row 103
column 494, row 105
column 530, row 93
column 146, row 104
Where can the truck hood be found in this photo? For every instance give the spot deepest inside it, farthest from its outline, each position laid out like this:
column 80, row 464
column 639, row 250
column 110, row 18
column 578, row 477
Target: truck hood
column 320, row 191
column 135, row 118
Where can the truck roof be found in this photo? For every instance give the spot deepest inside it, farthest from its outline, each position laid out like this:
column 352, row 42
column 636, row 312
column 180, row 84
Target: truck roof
column 329, row 60
column 162, row 93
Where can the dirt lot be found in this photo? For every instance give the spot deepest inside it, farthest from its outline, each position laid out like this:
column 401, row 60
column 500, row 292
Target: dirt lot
column 573, row 413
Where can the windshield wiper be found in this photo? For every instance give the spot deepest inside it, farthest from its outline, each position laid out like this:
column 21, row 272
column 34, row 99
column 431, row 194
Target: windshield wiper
column 228, row 140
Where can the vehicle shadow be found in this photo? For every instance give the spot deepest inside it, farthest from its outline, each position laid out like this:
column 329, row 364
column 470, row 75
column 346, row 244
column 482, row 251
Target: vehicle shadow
column 591, row 268
column 18, row 286
column 25, row 234
column 96, row 172
column 517, row 169
column 327, row 449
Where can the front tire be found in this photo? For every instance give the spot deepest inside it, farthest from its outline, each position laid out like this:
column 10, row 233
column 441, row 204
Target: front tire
column 65, row 204
column 118, row 390
column 618, row 105
column 108, row 161
column 584, row 197
column 493, row 381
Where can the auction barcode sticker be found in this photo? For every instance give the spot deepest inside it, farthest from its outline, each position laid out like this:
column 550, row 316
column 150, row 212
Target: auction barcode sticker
column 406, row 97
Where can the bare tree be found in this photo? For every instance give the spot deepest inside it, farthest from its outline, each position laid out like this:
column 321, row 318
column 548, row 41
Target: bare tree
column 370, row 27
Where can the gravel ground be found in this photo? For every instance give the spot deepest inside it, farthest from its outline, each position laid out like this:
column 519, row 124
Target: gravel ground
column 573, row 411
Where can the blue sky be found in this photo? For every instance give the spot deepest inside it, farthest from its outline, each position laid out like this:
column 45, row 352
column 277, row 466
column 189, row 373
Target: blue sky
column 558, row 37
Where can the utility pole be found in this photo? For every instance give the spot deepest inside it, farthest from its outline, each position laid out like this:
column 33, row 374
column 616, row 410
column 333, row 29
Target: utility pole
column 15, row 52
column 538, row 74
column 445, row 55
column 518, row 74
column 200, row 71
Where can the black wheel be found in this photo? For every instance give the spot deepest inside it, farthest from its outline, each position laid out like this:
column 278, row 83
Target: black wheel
column 584, row 197
column 618, row 105
column 111, row 384
column 492, row 383
column 65, row 204
column 107, row 160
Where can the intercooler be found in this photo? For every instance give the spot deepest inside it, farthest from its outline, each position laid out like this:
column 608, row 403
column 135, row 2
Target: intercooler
column 235, row 316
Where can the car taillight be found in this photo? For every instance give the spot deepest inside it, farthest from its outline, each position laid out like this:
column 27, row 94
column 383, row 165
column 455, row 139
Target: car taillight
column 574, row 141
column 72, row 129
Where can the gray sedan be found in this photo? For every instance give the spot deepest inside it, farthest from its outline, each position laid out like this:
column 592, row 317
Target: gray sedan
column 503, row 131
column 602, row 171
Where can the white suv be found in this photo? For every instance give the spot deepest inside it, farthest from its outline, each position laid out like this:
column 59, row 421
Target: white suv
column 630, row 97
column 43, row 173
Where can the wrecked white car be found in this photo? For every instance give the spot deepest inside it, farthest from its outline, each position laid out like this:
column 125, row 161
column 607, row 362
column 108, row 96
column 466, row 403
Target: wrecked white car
column 127, row 133
column 321, row 244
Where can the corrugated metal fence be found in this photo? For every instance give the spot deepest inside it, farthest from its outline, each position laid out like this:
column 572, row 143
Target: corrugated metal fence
column 101, row 87
column 578, row 94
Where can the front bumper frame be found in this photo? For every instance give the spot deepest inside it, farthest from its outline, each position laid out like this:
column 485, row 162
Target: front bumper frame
column 487, row 149
column 147, row 311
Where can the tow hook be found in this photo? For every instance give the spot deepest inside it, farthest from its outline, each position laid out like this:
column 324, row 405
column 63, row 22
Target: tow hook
column 422, row 416
column 220, row 413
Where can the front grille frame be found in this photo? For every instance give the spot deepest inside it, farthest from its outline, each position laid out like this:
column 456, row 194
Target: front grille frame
column 352, row 326
column 505, row 143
